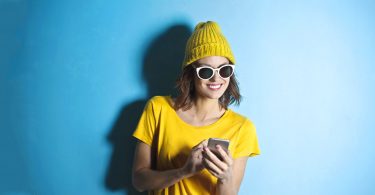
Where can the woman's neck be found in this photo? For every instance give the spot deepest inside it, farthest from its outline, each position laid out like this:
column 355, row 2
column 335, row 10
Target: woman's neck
column 204, row 108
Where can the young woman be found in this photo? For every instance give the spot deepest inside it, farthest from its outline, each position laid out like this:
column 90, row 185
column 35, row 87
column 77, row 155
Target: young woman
column 171, row 155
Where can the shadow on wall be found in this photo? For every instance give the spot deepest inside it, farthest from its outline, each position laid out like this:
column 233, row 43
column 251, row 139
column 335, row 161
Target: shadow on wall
column 161, row 67
column 14, row 167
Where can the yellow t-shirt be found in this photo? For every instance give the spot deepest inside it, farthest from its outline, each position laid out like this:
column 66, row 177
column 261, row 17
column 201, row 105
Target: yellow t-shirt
column 172, row 139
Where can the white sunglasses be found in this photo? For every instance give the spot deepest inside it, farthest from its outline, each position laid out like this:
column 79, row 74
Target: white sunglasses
column 206, row 72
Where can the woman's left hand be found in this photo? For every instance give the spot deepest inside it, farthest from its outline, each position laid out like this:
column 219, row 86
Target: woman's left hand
column 222, row 169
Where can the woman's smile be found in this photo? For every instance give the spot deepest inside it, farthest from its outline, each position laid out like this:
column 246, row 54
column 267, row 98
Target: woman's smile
column 214, row 86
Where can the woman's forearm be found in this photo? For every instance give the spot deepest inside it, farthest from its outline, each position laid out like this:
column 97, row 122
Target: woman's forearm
column 148, row 179
column 225, row 187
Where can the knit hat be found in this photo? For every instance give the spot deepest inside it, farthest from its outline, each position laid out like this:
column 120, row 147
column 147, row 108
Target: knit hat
column 207, row 40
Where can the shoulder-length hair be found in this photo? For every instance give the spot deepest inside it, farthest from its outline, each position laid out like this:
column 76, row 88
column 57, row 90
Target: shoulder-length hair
column 186, row 91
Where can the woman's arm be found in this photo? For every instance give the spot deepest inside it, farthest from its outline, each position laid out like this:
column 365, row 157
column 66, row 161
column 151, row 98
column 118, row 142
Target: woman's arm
column 228, row 171
column 144, row 178
column 232, row 186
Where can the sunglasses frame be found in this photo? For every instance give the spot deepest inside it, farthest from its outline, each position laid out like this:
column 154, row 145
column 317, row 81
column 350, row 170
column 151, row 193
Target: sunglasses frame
column 217, row 70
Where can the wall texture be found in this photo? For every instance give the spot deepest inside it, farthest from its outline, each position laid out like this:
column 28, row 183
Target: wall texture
column 74, row 76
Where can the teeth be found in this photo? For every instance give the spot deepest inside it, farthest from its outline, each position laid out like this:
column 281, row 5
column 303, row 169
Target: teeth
column 214, row 86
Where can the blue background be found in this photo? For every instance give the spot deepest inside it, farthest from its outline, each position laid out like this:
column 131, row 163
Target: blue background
column 75, row 75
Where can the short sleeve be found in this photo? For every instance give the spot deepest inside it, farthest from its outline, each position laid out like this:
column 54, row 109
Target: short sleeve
column 247, row 144
column 147, row 123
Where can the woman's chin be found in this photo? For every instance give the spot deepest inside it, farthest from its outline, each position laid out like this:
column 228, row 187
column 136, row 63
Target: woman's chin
column 213, row 95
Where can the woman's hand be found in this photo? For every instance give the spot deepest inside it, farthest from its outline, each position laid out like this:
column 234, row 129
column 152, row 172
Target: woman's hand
column 194, row 163
column 222, row 169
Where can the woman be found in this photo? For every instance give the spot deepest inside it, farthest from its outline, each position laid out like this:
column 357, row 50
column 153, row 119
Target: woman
column 171, row 155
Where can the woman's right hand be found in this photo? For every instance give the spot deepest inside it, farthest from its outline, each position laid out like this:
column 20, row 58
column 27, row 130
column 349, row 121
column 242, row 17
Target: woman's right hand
column 194, row 163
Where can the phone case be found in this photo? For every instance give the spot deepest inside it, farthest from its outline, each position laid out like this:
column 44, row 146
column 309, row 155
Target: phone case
column 212, row 142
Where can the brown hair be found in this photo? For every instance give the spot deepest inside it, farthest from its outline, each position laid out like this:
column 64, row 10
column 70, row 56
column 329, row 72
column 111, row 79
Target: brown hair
column 186, row 91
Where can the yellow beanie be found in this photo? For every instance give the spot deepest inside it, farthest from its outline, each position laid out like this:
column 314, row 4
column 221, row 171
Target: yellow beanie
column 207, row 40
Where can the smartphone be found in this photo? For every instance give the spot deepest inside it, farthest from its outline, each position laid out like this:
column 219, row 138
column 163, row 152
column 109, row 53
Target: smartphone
column 212, row 142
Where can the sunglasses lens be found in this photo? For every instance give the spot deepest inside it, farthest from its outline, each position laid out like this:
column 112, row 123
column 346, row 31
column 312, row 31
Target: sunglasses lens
column 226, row 71
column 205, row 73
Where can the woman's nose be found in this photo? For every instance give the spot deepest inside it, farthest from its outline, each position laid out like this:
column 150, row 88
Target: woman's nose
column 216, row 76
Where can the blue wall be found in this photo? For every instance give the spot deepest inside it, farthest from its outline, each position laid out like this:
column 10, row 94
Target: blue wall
column 74, row 76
